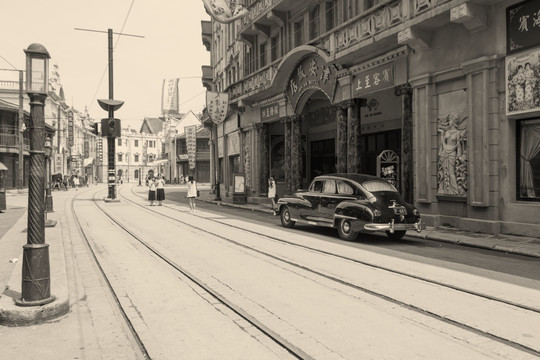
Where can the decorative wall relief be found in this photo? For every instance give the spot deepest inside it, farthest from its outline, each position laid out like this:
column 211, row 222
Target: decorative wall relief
column 452, row 128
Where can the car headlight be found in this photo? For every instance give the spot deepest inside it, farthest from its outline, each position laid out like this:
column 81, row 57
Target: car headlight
column 376, row 213
column 416, row 212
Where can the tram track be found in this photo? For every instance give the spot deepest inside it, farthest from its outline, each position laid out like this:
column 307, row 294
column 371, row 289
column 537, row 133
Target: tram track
column 466, row 291
column 288, row 347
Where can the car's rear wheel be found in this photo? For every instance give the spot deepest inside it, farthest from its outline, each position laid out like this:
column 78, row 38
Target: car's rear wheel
column 345, row 230
column 397, row 235
column 286, row 220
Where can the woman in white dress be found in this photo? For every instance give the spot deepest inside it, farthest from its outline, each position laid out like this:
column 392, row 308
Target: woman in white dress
column 191, row 193
column 272, row 192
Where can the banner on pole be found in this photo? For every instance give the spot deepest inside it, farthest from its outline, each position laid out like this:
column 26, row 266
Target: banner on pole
column 191, row 144
column 216, row 105
column 223, row 12
column 169, row 96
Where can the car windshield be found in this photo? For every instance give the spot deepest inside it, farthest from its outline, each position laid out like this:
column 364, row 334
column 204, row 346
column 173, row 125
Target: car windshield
column 374, row 186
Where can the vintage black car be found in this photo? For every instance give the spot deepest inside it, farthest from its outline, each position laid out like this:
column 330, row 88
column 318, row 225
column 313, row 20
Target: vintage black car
column 351, row 203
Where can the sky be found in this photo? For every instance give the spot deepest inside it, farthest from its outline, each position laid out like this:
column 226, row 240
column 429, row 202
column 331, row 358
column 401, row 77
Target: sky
column 171, row 48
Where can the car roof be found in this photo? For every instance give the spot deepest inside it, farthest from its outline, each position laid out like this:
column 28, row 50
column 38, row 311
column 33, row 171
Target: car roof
column 359, row 178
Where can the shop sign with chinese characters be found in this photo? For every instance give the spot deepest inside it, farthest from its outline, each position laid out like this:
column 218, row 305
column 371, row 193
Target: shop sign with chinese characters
column 270, row 112
column 216, row 105
column 522, row 26
column 191, row 144
column 311, row 73
column 374, row 79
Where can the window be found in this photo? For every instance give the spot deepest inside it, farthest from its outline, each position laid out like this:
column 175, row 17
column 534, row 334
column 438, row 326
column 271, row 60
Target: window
column 331, row 15
column 298, row 33
column 374, row 186
column 274, row 48
column 202, row 145
column 262, row 55
column 314, row 23
column 119, row 156
column 329, row 187
column 528, row 158
column 136, row 143
column 136, row 157
column 344, row 189
column 119, row 142
column 316, row 186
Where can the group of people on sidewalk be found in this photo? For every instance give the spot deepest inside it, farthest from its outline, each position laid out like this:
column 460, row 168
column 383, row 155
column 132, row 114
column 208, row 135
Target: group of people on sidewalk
column 156, row 191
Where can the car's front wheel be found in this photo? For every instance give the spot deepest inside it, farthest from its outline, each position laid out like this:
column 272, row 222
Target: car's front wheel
column 396, row 235
column 286, row 220
column 345, row 230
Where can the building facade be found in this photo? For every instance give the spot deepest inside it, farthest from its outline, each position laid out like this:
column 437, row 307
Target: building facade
column 422, row 92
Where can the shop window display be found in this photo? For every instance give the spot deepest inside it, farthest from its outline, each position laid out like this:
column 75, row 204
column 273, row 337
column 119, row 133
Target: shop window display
column 529, row 160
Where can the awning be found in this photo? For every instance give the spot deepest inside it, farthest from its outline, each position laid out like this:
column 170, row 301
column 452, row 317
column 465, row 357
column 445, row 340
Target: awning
column 88, row 161
column 3, row 167
column 159, row 162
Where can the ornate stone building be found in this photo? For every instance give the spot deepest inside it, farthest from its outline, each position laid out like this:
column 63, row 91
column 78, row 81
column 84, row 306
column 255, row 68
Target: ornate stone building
column 334, row 86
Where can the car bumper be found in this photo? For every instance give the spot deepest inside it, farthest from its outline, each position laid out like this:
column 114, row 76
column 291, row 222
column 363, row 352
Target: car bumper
column 391, row 226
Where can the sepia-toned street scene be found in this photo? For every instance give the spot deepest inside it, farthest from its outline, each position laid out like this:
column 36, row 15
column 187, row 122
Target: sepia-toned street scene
column 270, row 179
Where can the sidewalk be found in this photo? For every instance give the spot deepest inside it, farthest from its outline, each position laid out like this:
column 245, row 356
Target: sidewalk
column 528, row 246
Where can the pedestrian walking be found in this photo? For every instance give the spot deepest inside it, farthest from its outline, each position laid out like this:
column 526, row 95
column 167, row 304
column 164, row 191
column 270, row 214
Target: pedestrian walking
column 272, row 192
column 191, row 193
column 151, row 190
column 160, row 189
column 76, row 182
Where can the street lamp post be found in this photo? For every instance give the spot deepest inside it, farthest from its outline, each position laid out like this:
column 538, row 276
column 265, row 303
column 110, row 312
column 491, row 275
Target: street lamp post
column 36, row 288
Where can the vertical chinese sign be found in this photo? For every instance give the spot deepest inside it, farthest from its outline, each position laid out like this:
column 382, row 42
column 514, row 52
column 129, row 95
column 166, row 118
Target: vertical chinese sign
column 169, row 97
column 191, row 144
column 216, row 105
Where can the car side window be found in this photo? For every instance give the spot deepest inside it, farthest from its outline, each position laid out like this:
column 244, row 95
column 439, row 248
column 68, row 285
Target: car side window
column 344, row 189
column 329, row 187
column 316, row 186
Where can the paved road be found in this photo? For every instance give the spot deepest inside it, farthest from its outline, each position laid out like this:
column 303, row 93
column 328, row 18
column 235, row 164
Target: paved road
column 523, row 270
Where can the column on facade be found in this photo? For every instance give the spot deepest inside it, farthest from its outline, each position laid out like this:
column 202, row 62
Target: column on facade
column 406, row 182
column 212, row 142
column 341, row 150
column 353, row 135
column 246, row 150
column 296, row 154
column 264, row 166
column 286, row 121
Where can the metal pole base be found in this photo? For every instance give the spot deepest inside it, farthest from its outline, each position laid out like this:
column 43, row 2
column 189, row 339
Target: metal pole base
column 36, row 281
column 218, row 196
column 49, row 203
column 50, row 223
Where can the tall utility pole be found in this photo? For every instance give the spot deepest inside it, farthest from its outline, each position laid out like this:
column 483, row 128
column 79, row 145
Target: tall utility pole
column 111, row 127
column 20, row 169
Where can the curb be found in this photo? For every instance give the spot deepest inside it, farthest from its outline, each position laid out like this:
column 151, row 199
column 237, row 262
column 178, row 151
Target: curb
column 429, row 234
column 14, row 315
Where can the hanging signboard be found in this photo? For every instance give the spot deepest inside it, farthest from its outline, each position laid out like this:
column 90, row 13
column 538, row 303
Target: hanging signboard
column 522, row 26
column 312, row 73
column 169, row 97
column 270, row 112
column 70, row 129
column 216, row 105
column 191, row 144
column 224, row 11
column 374, row 79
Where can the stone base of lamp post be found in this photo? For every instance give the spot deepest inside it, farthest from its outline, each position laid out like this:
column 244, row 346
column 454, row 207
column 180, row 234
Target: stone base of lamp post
column 49, row 203
column 35, row 276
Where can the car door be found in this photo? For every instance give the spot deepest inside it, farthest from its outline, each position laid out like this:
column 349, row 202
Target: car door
column 329, row 200
column 309, row 208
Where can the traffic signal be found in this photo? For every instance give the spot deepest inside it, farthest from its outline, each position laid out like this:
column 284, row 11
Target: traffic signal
column 111, row 128
column 95, row 130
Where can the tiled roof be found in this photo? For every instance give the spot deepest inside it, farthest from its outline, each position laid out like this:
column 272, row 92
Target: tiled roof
column 155, row 125
column 8, row 106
